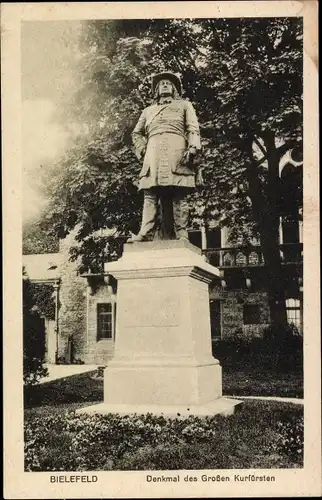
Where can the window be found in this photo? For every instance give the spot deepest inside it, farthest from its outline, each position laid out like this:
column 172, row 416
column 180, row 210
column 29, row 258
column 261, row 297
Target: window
column 228, row 259
column 251, row 314
column 214, row 238
column 105, row 321
column 195, row 238
column 241, row 259
column 253, row 259
column 293, row 312
column 291, row 231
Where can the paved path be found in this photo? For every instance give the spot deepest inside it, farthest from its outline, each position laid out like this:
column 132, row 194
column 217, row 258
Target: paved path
column 296, row 401
column 61, row 371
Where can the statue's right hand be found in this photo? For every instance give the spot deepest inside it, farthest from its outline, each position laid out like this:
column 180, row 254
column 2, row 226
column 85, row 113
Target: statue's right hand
column 142, row 153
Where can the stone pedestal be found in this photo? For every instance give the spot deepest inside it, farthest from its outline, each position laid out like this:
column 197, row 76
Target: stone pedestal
column 163, row 359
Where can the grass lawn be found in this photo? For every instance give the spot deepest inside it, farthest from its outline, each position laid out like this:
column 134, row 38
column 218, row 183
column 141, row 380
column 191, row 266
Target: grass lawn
column 261, row 435
column 86, row 387
column 249, row 383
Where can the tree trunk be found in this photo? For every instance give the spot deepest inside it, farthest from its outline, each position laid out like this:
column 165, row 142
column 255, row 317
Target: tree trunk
column 276, row 284
column 266, row 212
column 274, row 275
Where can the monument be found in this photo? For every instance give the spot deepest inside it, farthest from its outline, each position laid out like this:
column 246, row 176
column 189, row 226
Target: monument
column 167, row 139
column 163, row 361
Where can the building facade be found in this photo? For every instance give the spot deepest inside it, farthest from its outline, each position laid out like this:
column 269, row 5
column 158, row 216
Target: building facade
column 86, row 305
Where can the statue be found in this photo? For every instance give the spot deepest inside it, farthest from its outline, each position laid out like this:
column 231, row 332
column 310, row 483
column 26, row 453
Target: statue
column 167, row 139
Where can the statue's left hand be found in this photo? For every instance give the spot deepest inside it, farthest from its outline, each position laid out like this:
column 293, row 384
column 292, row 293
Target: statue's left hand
column 193, row 163
column 199, row 178
column 188, row 156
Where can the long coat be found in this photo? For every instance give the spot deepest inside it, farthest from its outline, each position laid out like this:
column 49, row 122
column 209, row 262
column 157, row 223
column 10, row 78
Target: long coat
column 161, row 136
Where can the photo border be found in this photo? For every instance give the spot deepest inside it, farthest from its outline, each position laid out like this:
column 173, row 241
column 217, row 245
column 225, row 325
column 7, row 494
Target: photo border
column 132, row 484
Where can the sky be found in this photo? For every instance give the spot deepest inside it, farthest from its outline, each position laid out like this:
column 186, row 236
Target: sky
column 48, row 61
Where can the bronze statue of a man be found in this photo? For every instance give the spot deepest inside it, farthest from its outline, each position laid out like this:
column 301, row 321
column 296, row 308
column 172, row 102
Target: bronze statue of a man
column 167, row 139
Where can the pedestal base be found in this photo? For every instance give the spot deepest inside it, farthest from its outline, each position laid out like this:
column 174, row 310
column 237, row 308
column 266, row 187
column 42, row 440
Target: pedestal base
column 176, row 382
column 163, row 361
column 222, row 406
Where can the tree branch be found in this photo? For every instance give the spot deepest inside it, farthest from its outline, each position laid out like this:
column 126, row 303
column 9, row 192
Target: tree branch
column 193, row 61
column 256, row 163
column 259, row 162
column 281, row 150
column 259, row 145
column 179, row 63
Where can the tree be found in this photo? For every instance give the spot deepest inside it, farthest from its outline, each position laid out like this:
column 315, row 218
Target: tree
column 244, row 77
column 36, row 240
column 261, row 107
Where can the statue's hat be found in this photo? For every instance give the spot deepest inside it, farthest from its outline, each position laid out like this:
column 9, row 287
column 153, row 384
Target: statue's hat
column 166, row 75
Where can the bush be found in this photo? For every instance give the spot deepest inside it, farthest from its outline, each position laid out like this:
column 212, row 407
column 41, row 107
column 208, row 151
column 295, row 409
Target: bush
column 285, row 346
column 279, row 349
column 33, row 338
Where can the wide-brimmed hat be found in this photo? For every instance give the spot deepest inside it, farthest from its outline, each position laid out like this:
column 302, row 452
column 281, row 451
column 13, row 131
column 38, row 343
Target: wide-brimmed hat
column 166, row 75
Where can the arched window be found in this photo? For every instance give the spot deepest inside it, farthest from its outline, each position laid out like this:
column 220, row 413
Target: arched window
column 241, row 259
column 253, row 259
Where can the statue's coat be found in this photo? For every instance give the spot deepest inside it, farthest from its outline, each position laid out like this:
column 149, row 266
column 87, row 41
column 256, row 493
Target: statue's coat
column 162, row 135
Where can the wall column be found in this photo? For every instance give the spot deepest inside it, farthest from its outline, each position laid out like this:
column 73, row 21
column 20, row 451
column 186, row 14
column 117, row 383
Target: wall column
column 56, row 298
column 203, row 237
column 224, row 237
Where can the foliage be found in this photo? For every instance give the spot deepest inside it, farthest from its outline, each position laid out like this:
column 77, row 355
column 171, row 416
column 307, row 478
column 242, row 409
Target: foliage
column 35, row 239
column 33, row 338
column 62, row 360
column 95, row 250
column 244, row 77
column 280, row 349
column 290, row 438
column 44, row 300
column 285, row 345
column 114, row 442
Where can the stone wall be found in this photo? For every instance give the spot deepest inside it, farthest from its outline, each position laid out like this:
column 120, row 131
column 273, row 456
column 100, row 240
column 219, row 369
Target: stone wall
column 98, row 352
column 72, row 311
column 232, row 311
column 78, row 312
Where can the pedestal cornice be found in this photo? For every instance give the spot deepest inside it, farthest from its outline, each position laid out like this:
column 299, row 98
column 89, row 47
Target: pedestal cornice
column 162, row 259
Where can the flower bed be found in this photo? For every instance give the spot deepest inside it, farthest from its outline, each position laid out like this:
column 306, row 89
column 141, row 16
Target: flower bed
column 262, row 434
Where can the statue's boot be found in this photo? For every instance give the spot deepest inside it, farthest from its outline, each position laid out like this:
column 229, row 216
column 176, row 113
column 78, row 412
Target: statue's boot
column 137, row 238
